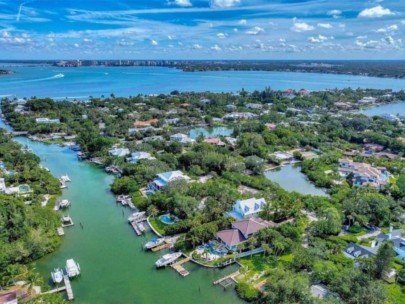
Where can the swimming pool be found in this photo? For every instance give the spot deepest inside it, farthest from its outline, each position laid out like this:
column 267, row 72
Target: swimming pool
column 166, row 219
column 24, row 189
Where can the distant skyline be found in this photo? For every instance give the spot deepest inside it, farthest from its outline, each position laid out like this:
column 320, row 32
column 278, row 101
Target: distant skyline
column 202, row 29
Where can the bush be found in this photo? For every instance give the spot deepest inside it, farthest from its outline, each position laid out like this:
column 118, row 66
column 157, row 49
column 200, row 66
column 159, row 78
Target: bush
column 247, row 292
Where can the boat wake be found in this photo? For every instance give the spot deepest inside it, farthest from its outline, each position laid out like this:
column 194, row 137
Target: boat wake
column 60, row 75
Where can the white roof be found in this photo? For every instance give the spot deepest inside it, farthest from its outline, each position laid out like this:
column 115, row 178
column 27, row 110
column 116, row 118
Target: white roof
column 172, row 175
column 251, row 205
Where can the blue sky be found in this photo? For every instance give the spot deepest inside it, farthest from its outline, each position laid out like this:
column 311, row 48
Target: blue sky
column 202, row 29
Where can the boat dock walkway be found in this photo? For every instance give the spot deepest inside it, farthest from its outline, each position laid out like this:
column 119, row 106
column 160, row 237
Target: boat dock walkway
column 179, row 268
column 167, row 244
column 67, row 288
column 227, row 280
column 138, row 226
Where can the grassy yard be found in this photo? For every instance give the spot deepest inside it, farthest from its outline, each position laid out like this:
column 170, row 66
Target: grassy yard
column 157, row 225
column 395, row 294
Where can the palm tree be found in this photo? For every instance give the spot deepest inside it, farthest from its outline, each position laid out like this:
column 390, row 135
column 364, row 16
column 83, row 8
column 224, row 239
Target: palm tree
column 152, row 210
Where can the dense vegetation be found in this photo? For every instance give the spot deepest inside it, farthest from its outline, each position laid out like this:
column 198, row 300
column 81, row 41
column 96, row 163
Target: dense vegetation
column 27, row 230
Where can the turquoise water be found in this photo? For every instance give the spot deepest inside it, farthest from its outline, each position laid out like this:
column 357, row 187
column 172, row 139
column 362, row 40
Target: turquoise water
column 291, row 179
column 393, row 108
column 211, row 132
column 83, row 82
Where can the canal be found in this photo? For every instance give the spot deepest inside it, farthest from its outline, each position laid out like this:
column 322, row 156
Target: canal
column 291, row 178
column 114, row 268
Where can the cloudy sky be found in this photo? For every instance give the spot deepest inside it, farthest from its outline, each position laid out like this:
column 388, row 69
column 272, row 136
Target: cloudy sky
column 202, row 29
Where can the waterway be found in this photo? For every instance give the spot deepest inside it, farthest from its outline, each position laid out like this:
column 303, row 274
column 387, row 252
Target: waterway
column 291, row 178
column 80, row 83
column 114, row 267
column 391, row 108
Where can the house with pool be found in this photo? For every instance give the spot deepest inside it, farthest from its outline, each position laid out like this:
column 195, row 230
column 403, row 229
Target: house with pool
column 163, row 179
column 241, row 231
column 249, row 208
column 364, row 174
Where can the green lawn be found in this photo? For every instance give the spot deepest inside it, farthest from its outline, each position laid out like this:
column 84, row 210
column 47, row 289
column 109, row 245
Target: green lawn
column 395, row 294
column 157, row 225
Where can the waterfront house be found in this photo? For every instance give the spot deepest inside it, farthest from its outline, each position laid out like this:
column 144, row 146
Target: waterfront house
column 241, row 231
column 205, row 100
column 289, row 93
column 364, row 174
column 395, row 235
column 137, row 156
column 283, row 156
column 249, row 207
column 164, row 179
column 44, row 120
column 119, row 152
column 172, row 121
column 182, row 138
column 216, row 141
column 367, row 100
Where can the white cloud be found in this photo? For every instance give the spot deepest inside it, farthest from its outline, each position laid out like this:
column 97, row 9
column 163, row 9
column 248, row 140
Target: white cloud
column 76, row 45
column 224, row 3
column 325, row 25
column 197, row 46
column 301, row 27
column 154, row 42
column 334, row 12
column 243, row 21
column 221, row 35
column 318, row 39
column 182, row 2
column 255, row 30
column 375, row 12
column 235, row 30
column 216, row 48
column 389, row 40
column 170, row 37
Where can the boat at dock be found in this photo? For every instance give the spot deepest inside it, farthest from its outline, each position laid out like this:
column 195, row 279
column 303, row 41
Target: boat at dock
column 62, row 204
column 65, row 178
column 168, row 259
column 154, row 243
column 57, row 275
column 72, row 268
column 62, row 184
column 136, row 216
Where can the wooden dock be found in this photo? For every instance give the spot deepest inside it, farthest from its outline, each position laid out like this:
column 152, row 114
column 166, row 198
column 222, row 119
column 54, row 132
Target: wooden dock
column 60, row 231
column 229, row 277
column 69, row 289
column 179, row 268
column 138, row 225
column 165, row 245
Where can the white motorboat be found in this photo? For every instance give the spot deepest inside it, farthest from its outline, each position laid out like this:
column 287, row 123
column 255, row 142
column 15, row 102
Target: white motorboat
column 65, row 178
column 62, row 184
column 57, row 275
column 154, row 243
column 72, row 268
column 168, row 259
column 66, row 219
column 136, row 216
column 64, row 203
